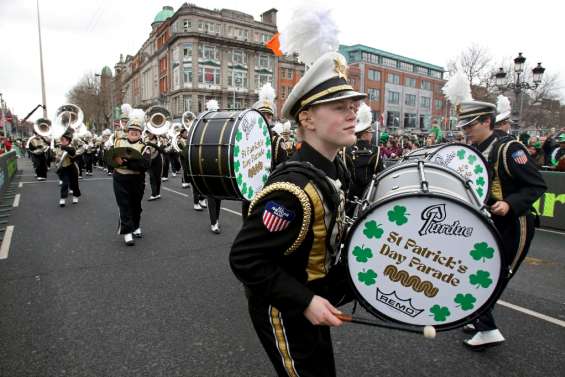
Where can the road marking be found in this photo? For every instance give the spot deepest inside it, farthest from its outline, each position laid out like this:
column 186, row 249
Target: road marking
column 544, row 317
column 5, row 248
column 81, row 181
column 231, row 211
column 176, row 192
column 552, row 231
column 17, row 200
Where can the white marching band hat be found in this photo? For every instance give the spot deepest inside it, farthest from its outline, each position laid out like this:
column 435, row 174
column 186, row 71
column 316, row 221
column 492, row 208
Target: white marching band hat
column 503, row 109
column 364, row 117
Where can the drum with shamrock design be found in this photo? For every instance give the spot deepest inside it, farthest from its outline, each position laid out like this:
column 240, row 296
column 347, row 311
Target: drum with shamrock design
column 229, row 154
column 463, row 159
column 420, row 253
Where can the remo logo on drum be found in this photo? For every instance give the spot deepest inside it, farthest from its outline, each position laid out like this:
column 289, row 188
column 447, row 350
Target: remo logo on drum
column 424, row 260
column 252, row 154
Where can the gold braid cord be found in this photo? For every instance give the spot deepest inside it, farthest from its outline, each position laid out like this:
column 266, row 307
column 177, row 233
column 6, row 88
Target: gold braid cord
column 304, row 202
column 408, row 280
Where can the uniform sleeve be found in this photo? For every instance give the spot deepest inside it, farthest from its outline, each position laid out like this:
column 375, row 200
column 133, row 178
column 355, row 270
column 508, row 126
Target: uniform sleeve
column 526, row 177
column 140, row 165
column 70, row 150
column 258, row 252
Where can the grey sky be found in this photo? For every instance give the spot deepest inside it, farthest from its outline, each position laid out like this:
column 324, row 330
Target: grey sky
column 82, row 36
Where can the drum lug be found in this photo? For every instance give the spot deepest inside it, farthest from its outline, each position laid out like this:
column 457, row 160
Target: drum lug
column 424, row 185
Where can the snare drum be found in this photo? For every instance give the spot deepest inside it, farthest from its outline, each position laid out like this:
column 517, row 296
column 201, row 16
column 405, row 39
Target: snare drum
column 229, row 154
column 463, row 159
column 421, row 254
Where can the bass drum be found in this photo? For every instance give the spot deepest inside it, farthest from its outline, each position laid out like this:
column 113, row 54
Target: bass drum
column 229, row 154
column 464, row 159
column 424, row 256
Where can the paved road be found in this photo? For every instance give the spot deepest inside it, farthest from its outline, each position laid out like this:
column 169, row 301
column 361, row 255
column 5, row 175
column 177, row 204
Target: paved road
column 75, row 301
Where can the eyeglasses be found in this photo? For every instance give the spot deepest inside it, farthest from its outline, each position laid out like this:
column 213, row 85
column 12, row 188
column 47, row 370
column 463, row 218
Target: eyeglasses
column 344, row 108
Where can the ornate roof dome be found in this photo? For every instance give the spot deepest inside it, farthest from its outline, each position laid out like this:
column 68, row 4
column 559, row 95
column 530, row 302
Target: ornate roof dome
column 106, row 71
column 164, row 13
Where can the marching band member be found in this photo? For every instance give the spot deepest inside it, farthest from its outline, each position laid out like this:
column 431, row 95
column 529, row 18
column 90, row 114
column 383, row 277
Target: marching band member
column 502, row 123
column 182, row 142
column 38, row 146
column 67, row 168
column 362, row 159
column 166, row 145
column 89, row 153
column 129, row 177
column 516, row 185
column 292, row 278
column 156, row 164
column 213, row 203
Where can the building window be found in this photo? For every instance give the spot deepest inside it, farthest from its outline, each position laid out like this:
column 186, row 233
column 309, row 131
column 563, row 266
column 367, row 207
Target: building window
column 374, row 75
column 283, row 92
column 187, row 74
column 163, row 65
column 370, row 58
column 176, row 78
column 208, row 75
column 392, row 119
column 208, row 27
column 187, row 103
column 390, row 62
column 187, row 52
column 265, row 38
column 406, row 67
column 186, row 25
column 241, row 34
column 410, row 82
column 261, row 79
column 410, row 120
column 426, row 85
column 425, row 102
column 439, row 104
column 393, row 79
column 374, row 94
column 410, row 100
column 264, row 61
column 239, row 57
column 208, row 52
column 422, row 70
column 393, row 97
column 289, row 74
column 425, row 121
column 436, row 74
column 237, row 78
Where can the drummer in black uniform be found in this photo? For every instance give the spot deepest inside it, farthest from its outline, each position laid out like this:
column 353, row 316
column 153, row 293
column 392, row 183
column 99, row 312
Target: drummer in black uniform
column 286, row 252
column 363, row 160
column 516, row 185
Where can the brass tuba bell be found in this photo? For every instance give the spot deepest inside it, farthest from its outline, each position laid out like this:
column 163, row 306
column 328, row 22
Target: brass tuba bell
column 158, row 120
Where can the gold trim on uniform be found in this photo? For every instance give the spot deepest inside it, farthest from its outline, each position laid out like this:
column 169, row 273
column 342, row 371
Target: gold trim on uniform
column 323, row 93
column 304, row 202
column 281, row 342
column 522, row 242
column 317, row 259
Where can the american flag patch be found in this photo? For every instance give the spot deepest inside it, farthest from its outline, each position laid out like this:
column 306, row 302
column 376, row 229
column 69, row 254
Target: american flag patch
column 520, row 157
column 276, row 217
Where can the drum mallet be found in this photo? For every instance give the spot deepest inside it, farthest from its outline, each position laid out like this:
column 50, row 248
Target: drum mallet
column 428, row 331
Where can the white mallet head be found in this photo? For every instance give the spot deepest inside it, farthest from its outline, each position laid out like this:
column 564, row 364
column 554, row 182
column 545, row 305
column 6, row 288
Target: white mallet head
column 429, row 332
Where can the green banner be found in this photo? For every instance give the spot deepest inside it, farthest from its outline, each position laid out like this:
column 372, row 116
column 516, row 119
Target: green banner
column 551, row 206
column 8, row 167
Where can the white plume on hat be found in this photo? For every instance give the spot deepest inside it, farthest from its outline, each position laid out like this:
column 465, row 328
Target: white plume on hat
column 212, row 105
column 278, row 127
column 267, row 93
column 458, row 89
column 126, row 109
column 502, row 104
column 286, row 126
column 311, row 33
column 364, row 117
column 137, row 117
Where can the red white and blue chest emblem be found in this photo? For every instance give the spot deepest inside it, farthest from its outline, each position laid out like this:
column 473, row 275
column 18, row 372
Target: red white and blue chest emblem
column 276, row 217
column 520, row 157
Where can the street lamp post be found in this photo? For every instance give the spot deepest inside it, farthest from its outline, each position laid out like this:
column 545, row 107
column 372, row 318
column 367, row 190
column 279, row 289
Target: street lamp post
column 520, row 84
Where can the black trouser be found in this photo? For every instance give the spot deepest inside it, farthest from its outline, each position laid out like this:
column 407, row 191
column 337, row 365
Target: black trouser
column 128, row 189
column 175, row 163
column 214, row 209
column 80, row 163
column 294, row 346
column 39, row 164
column 155, row 172
column 166, row 163
column 88, row 160
column 69, row 176
column 516, row 234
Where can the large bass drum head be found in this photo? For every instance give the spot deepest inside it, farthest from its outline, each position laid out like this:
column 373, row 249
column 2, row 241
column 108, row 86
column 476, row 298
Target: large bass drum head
column 424, row 259
column 251, row 153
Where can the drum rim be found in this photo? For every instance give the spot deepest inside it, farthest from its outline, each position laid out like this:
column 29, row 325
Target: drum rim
column 439, row 327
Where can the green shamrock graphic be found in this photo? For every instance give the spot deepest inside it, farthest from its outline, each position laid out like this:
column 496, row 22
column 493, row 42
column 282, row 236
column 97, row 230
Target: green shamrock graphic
column 480, row 192
column 467, row 302
column 238, row 136
column 261, row 122
column 362, row 253
column 264, row 178
column 398, row 215
column 250, row 192
column 244, row 189
column 268, row 154
column 236, row 165
column 478, row 169
column 239, row 179
column 482, row 251
column 268, row 141
column 472, row 158
column 461, row 154
column 440, row 313
column 373, row 230
column 481, row 279
column 367, row 277
column 480, row 181
column 236, row 151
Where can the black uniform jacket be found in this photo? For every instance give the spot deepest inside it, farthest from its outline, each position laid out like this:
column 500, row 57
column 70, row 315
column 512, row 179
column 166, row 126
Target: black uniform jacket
column 281, row 252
